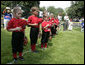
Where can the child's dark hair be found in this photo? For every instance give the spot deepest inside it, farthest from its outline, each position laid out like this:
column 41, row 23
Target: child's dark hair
column 44, row 13
column 45, row 17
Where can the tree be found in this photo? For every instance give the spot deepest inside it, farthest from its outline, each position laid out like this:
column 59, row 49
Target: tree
column 42, row 8
column 76, row 9
column 56, row 11
column 59, row 10
column 25, row 5
column 51, row 9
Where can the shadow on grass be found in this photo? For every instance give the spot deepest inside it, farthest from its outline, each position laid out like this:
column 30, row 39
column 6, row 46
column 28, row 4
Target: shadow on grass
column 50, row 43
column 77, row 29
column 5, row 46
column 30, row 58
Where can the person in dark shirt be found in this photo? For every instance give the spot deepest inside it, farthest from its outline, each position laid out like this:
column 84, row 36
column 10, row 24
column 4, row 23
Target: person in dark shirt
column 82, row 26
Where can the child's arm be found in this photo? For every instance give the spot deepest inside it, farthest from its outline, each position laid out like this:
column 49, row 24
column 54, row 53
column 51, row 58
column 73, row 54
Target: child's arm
column 14, row 29
column 3, row 16
column 50, row 33
column 46, row 26
column 39, row 20
column 32, row 24
column 50, row 37
column 29, row 22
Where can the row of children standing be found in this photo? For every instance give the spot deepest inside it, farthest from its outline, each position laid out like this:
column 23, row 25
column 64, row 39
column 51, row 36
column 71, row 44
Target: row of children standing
column 17, row 27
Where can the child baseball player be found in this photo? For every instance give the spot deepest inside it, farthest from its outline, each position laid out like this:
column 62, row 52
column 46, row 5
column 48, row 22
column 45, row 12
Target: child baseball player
column 46, row 31
column 17, row 26
column 34, row 23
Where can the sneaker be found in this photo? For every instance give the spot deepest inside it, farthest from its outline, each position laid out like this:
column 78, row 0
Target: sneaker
column 42, row 49
column 15, row 60
column 21, row 58
column 45, row 48
column 56, row 33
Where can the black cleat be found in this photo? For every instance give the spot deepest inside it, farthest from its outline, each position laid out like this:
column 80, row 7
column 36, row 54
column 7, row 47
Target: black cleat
column 21, row 58
column 42, row 49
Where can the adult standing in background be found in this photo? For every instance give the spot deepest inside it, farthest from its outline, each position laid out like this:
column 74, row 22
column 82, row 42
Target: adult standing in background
column 7, row 16
column 65, row 24
column 60, row 19
column 70, row 26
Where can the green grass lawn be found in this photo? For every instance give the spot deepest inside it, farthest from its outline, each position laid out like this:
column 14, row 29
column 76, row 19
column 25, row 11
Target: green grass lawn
column 65, row 48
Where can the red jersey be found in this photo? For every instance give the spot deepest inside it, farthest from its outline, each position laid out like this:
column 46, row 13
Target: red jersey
column 56, row 21
column 44, row 23
column 52, row 21
column 49, row 18
column 33, row 19
column 13, row 23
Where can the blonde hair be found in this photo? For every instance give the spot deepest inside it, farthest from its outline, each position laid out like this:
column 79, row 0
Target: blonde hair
column 16, row 9
column 34, row 9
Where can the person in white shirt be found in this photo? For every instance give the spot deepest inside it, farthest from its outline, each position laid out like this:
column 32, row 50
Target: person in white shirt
column 40, row 14
column 65, row 24
column 70, row 26
column 60, row 19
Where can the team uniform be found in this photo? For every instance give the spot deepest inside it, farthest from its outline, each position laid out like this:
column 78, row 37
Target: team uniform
column 17, row 36
column 34, row 30
column 52, row 21
column 56, row 24
column 45, row 33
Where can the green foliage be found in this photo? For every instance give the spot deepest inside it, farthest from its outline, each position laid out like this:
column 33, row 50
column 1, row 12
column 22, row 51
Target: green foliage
column 42, row 8
column 56, row 11
column 76, row 9
column 25, row 5
column 51, row 9
column 65, row 48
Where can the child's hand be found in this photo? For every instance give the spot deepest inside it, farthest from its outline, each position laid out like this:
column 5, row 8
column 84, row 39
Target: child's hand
column 18, row 28
column 47, row 25
column 35, row 24
column 50, row 38
column 14, row 29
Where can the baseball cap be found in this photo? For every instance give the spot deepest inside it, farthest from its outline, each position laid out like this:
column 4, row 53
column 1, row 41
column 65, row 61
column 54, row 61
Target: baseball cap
column 7, row 7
